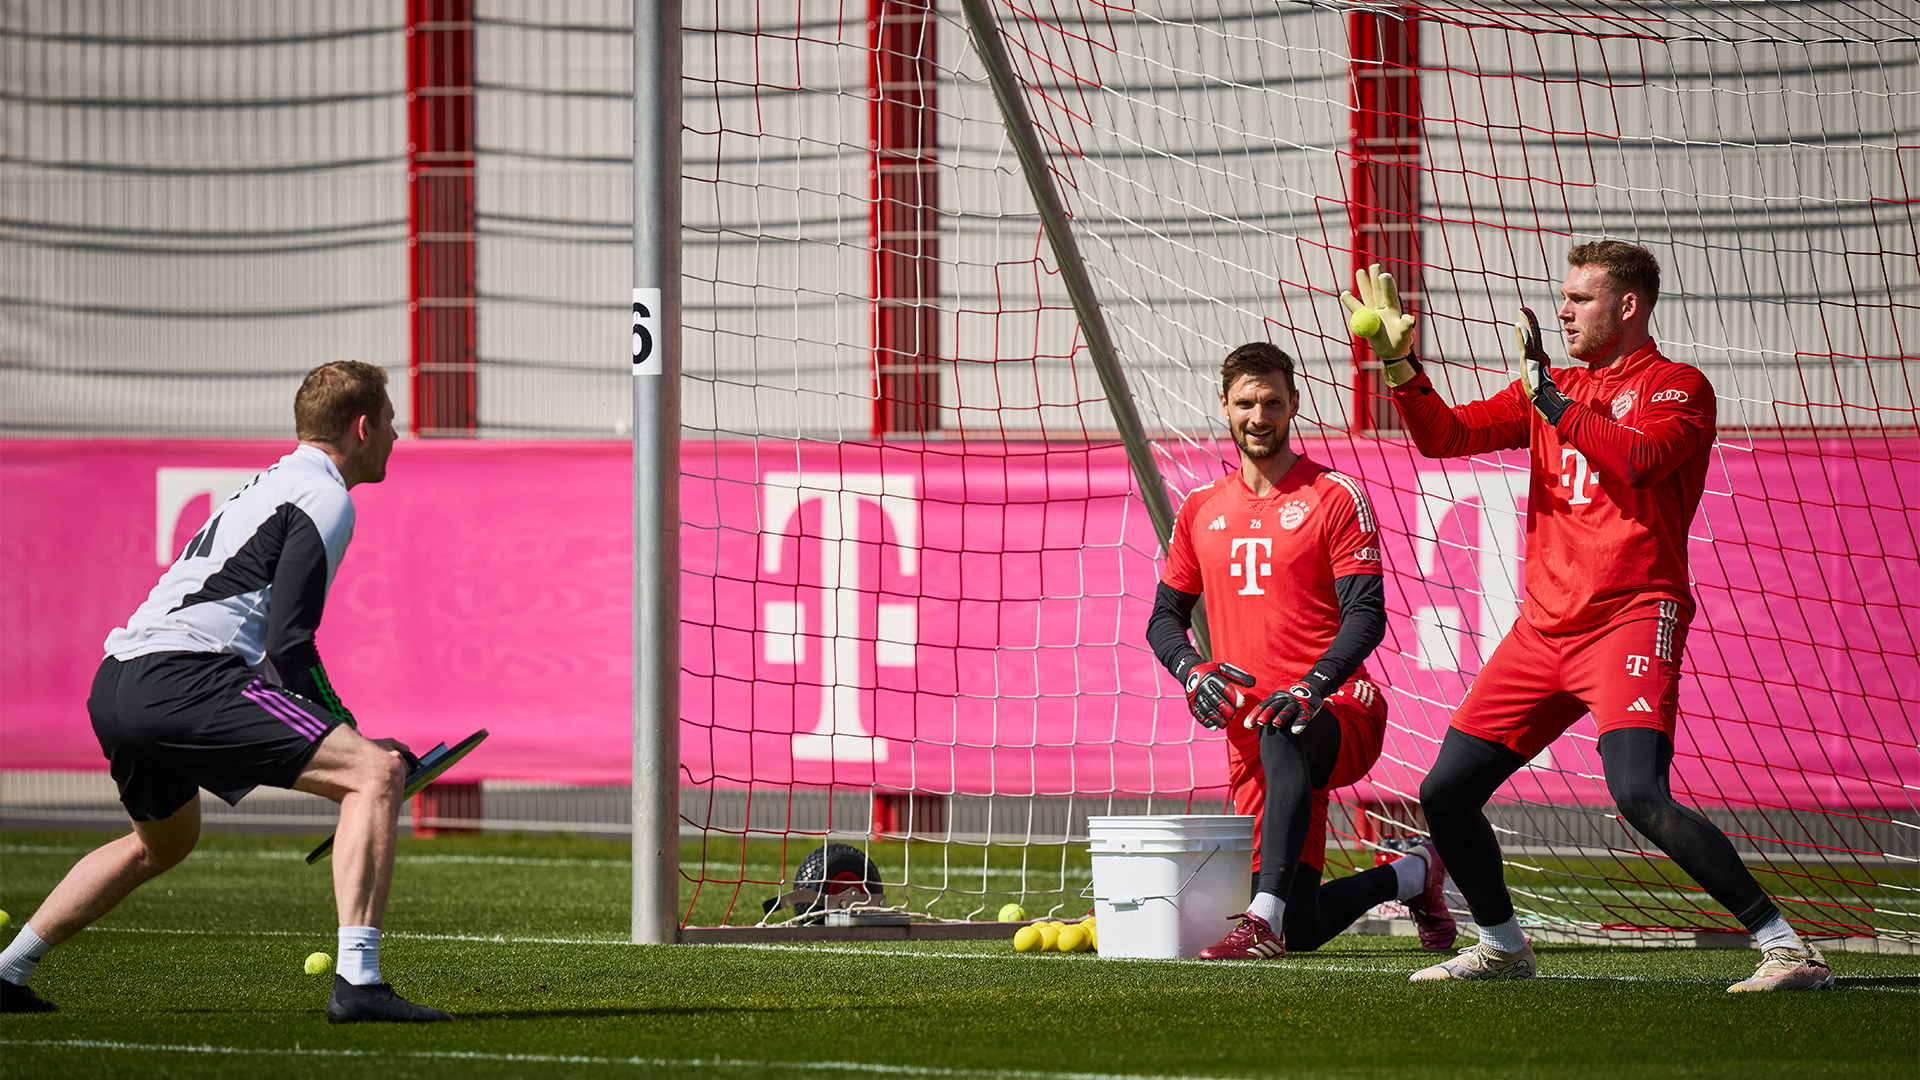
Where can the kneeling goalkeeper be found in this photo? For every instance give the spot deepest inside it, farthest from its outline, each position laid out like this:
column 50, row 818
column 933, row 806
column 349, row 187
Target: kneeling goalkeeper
column 1287, row 552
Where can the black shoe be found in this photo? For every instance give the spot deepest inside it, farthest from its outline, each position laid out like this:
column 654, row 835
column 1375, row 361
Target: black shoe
column 20, row 998
column 352, row 1004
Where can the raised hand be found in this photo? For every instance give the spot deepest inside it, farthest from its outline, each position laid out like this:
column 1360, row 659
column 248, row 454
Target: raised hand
column 1377, row 292
column 1536, row 374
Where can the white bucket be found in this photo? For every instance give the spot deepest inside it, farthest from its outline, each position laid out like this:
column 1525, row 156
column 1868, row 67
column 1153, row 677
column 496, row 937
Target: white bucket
column 1165, row 886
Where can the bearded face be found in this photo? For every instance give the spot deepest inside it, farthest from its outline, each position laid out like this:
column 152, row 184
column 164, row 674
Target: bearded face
column 1259, row 410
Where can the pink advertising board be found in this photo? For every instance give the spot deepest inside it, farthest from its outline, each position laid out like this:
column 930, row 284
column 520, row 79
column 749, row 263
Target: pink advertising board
column 919, row 618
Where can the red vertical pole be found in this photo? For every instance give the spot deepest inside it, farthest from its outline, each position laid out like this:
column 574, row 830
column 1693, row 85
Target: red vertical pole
column 1383, row 193
column 440, row 215
column 905, row 222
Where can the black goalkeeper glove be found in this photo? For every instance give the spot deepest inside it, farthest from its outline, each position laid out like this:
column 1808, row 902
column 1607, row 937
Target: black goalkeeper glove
column 1293, row 706
column 1536, row 377
column 1210, row 696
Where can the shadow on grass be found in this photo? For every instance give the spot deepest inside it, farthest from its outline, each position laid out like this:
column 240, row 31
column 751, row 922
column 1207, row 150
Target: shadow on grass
column 1385, row 958
column 1872, row 982
column 616, row 1012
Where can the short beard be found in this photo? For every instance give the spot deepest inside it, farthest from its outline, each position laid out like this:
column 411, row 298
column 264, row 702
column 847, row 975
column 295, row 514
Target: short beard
column 1587, row 348
column 1257, row 452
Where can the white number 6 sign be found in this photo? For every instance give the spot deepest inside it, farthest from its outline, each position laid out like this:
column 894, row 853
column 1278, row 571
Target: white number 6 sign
column 646, row 331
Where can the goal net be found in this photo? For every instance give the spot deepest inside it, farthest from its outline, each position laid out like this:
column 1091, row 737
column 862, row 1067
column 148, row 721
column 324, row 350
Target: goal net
column 917, row 563
column 918, row 572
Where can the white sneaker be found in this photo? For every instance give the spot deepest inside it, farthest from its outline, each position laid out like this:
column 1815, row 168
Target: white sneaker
column 1788, row 969
column 1482, row 961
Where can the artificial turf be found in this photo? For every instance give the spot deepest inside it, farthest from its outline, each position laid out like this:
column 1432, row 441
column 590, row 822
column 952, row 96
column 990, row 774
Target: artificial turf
column 200, row 975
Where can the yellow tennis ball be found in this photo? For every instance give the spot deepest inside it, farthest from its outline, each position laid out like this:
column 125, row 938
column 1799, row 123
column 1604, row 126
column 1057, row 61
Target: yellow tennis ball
column 1049, row 936
column 1026, row 939
column 1365, row 323
column 1072, row 939
column 6, row 920
column 319, row 963
column 1013, row 913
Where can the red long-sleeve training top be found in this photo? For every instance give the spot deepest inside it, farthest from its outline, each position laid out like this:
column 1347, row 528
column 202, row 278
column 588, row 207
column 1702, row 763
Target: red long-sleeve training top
column 1613, row 488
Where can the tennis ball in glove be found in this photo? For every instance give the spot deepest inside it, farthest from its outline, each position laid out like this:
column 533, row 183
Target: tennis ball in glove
column 1026, row 939
column 1013, row 913
column 1365, row 323
column 319, row 963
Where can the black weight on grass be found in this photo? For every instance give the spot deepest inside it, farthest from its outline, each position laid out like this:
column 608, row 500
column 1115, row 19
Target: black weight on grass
column 831, row 869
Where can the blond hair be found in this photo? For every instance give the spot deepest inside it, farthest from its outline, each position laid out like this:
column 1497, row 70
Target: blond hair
column 1631, row 266
column 333, row 396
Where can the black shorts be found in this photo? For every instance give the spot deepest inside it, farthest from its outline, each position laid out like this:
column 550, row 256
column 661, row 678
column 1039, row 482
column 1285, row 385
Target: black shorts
column 172, row 723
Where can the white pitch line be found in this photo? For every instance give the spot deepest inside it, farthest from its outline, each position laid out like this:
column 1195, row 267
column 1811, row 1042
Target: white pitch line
column 714, row 1064
column 1587, row 897
column 872, row 952
column 960, row 872
column 492, row 939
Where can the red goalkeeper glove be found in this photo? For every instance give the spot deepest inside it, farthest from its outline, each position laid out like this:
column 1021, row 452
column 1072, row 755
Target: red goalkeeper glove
column 1293, row 706
column 1210, row 696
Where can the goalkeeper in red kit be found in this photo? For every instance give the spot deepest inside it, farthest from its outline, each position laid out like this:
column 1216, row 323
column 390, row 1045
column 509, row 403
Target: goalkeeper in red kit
column 1620, row 449
column 1287, row 552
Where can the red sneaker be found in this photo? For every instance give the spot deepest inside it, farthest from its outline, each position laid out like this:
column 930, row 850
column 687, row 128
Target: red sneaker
column 1430, row 914
column 1253, row 939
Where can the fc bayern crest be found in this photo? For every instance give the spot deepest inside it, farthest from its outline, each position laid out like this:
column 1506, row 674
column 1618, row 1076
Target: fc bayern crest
column 1292, row 514
column 1623, row 404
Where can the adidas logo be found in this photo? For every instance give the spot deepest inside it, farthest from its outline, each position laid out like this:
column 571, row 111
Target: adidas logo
column 1218, row 523
column 1639, row 705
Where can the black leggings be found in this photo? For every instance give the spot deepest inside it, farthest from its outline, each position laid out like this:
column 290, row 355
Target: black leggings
column 1296, row 766
column 1317, row 912
column 1637, row 762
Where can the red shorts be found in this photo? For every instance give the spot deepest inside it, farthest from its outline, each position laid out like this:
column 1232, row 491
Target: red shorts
column 1361, row 709
column 1535, row 685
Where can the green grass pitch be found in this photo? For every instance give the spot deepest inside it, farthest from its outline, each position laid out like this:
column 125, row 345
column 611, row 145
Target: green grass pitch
column 199, row 975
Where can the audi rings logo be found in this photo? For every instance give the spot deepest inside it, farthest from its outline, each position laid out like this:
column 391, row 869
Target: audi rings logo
column 1667, row 395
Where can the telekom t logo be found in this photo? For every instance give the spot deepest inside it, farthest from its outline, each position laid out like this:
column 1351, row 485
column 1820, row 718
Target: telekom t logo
column 1577, row 476
column 838, row 499
column 1251, row 567
column 1492, row 501
column 174, row 488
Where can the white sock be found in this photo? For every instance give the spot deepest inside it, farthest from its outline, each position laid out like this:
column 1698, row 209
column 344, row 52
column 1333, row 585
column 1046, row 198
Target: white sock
column 1776, row 934
column 1507, row 937
column 1411, row 870
column 1268, row 907
column 20, row 958
column 360, row 954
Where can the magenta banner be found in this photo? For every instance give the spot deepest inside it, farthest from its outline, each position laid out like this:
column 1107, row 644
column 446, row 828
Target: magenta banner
column 921, row 618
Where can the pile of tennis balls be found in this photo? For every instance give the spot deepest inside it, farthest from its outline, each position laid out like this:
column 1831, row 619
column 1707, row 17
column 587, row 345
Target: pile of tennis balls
column 1052, row 935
